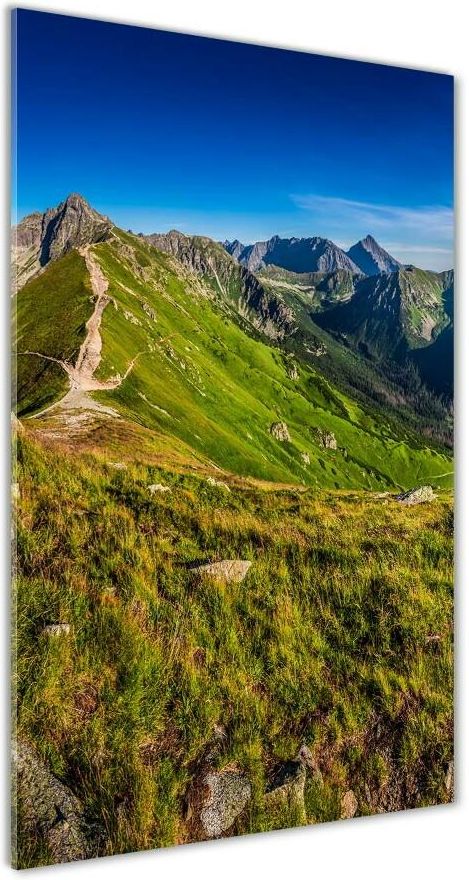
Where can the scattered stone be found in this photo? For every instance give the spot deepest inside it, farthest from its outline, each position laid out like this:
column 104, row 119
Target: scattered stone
column 56, row 629
column 49, row 808
column 292, row 371
column 349, row 805
column 149, row 311
column 213, row 482
column 226, row 793
column 15, row 492
column 158, row 487
column 287, row 786
column 16, row 426
column 280, row 431
column 226, row 570
column 130, row 317
column 326, row 439
column 449, row 779
column 118, row 465
column 418, row 495
column 305, row 458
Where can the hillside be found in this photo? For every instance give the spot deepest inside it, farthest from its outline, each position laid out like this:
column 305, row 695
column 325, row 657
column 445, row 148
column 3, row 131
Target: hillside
column 226, row 620
column 181, row 358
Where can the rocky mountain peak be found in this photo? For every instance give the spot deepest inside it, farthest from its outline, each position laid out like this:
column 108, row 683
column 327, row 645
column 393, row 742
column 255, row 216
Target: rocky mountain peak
column 371, row 258
column 49, row 235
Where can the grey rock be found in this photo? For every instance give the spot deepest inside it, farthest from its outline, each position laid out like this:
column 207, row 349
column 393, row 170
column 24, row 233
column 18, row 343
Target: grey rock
column 305, row 458
column 294, row 254
column 155, row 488
column 280, row 431
column 449, row 779
column 213, row 482
column 15, row 492
column 416, row 496
column 49, row 808
column 349, row 805
column 226, row 793
column 326, row 439
column 149, row 311
column 287, row 787
column 292, row 371
column 56, row 629
column 226, row 570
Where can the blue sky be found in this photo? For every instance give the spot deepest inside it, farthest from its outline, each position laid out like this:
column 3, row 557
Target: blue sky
column 161, row 130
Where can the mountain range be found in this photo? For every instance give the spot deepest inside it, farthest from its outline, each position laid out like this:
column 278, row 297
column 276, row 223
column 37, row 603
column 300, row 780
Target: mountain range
column 209, row 345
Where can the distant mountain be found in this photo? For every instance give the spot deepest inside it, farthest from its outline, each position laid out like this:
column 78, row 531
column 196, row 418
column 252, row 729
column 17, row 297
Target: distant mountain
column 295, row 254
column 40, row 238
column 371, row 258
column 390, row 315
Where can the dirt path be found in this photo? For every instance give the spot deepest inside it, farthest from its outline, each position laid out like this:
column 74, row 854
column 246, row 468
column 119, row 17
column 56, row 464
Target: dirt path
column 77, row 406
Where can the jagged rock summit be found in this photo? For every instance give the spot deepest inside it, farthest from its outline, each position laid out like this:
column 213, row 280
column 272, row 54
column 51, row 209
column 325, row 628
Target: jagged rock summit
column 294, row 254
column 371, row 258
column 40, row 238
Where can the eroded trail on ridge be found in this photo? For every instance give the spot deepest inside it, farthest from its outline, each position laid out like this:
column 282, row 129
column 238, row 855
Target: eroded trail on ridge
column 77, row 407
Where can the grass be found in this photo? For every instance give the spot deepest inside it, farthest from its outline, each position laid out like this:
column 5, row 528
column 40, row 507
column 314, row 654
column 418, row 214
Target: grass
column 63, row 291
column 200, row 378
column 340, row 637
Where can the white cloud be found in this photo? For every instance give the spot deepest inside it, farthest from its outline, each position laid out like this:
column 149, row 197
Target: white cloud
column 425, row 221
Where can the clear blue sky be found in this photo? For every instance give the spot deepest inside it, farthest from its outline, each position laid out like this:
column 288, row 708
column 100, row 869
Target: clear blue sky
column 161, row 130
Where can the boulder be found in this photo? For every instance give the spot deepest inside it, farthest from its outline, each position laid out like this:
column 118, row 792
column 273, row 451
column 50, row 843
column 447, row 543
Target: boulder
column 280, row 431
column 348, row 805
column 48, row 808
column 158, row 487
column 225, row 794
column 292, row 371
column 226, row 570
column 326, row 439
column 418, row 495
column 56, row 629
column 305, row 458
column 213, row 482
column 287, row 786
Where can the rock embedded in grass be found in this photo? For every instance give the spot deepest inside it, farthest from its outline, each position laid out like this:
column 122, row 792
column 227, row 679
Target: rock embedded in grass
column 225, row 795
column 280, row 431
column 56, row 629
column 305, row 458
column 213, row 482
column 49, row 809
column 326, row 439
column 226, row 570
column 419, row 495
column 157, row 487
column 348, row 805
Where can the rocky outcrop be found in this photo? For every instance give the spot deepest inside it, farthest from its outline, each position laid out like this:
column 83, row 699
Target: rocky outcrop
column 280, row 431
column 221, row 485
column 416, row 496
column 287, row 785
column 156, row 488
column 371, row 258
column 48, row 809
column 53, row 630
column 326, row 439
column 348, row 805
column 305, row 458
column 292, row 371
column 226, row 570
column 40, row 238
column 224, row 795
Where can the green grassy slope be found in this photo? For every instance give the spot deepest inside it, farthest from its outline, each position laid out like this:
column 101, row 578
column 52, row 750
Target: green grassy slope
column 340, row 637
column 202, row 378
column 49, row 317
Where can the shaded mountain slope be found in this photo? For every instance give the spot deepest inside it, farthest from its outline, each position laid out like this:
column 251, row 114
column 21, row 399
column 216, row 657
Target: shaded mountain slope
column 371, row 258
column 295, row 254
